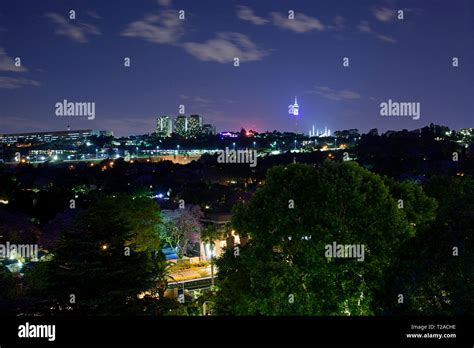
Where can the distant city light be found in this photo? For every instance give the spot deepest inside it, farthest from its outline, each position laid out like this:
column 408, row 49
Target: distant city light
column 228, row 135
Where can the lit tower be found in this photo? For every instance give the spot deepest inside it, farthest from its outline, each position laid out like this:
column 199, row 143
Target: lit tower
column 293, row 109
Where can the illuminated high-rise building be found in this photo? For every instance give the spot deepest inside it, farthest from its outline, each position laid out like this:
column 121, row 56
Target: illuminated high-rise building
column 208, row 129
column 164, row 126
column 194, row 125
column 181, row 126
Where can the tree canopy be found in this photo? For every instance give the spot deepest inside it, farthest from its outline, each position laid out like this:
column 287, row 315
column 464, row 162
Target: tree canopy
column 300, row 210
column 103, row 260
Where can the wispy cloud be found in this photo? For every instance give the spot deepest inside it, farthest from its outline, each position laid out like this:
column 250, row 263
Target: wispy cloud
column 164, row 2
column 332, row 94
column 338, row 23
column 300, row 24
column 246, row 13
column 195, row 99
column 94, row 14
column 364, row 27
column 8, row 64
column 167, row 28
column 77, row 32
column 16, row 82
column 225, row 47
column 205, row 101
column 384, row 14
column 164, row 28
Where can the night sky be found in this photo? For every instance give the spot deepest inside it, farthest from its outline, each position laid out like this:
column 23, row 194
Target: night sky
column 190, row 62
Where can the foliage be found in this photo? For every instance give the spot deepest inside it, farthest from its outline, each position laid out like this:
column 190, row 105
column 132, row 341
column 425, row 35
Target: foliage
column 211, row 233
column 433, row 279
column 182, row 228
column 285, row 258
column 102, row 260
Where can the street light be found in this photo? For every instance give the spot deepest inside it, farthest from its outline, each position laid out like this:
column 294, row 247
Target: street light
column 233, row 144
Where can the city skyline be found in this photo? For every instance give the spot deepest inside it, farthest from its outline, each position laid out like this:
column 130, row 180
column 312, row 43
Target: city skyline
column 217, row 167
column 190, row 62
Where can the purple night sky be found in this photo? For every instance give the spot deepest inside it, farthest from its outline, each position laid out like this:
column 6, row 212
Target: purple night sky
column 191, row 62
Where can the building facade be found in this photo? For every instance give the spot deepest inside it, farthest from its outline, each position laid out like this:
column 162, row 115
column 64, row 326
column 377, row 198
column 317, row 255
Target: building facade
column 181, row 126
column 208, row 129
column 194, row 125
column 46, row 137
column 164, row 126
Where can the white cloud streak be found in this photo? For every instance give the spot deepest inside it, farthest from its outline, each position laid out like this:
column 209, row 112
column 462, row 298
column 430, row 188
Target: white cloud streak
column 300, row 24
column 8, row 64
column 77, row 32
column 332, row 94
column 246, row 14
column 364, row 27
column 164, row 28
column 16, row 82
column 225, row 47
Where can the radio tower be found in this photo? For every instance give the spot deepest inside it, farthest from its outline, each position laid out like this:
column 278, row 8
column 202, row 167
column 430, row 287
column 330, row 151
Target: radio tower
column 293, row 109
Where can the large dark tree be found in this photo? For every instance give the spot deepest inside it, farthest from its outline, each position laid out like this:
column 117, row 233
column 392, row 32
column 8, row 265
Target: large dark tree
column 283, row 269
column 103, row 260
column 438, row 269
